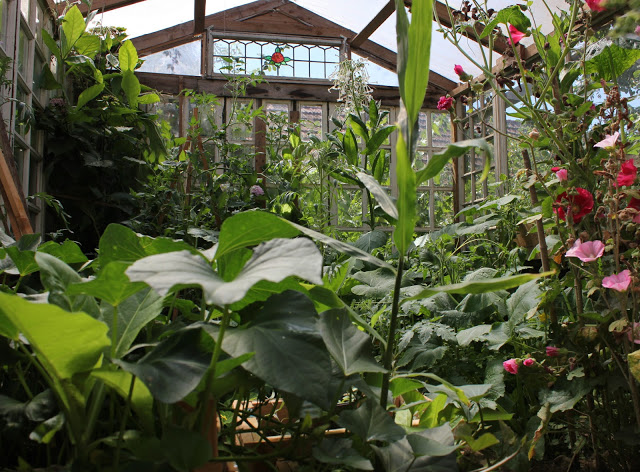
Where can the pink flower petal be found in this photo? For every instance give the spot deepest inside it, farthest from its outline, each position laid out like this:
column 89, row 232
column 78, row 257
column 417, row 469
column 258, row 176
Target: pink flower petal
column 618, row 282
column 515, row 35
column 511, row 366
column 586, row 252
column 609, row 141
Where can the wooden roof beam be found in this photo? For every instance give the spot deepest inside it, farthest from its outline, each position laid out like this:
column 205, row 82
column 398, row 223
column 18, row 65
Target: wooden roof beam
column 374, row 24
column 100, row 5
column 199, row 7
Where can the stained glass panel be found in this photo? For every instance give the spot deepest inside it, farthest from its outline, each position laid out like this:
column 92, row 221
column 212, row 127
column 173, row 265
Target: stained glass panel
column 287, row 58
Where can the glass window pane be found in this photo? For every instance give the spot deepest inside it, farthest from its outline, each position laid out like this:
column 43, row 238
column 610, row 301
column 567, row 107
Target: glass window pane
column 311, row 121
column 440, row 130
column 423, row 137
column 23, row 52
column 422, row 208
column 443, row 208
column 350, row 208
column 25, row 8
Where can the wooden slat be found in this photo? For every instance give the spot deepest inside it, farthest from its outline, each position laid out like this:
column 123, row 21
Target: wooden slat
column 11, row 189
column 100, row 5
column 199, row 8
column 374, row 24
column 276, row 89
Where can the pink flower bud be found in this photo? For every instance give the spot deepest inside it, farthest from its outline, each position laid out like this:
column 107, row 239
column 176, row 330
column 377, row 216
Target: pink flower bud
column 511, row 366
column 529, row 362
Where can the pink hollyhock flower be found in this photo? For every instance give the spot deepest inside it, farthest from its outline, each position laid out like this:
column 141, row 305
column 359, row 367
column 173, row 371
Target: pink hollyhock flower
column 596, row 5
column 256, row 191
column 458, row 70
column 511, row 366
column 561, row 174
column 637, row 30
column 515, row 35
column 627, row 174
column 586, row 252
column 529, row 362
column 552, row 351
column 609, row 141
column 618, row 282
column 635, row 203
column 579, row 203
column 445, row 103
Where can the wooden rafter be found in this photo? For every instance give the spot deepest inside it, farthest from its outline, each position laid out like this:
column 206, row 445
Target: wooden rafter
column 199, row 9
column 246, row 19
column 374, row 24
column 100, row 5
column 275, row 89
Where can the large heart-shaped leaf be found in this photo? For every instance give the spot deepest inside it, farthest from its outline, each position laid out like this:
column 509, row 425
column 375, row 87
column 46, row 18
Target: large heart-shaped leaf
column 350, row 347
column 65, row 343
column 371, row 423
column 173, row 368
column 250, row 229
column 111, row 284
column 273, row 260
column 133, row 314
column 289, row 352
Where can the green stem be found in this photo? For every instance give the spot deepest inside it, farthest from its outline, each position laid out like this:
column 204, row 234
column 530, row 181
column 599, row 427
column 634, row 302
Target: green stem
column 388, row 353
column 203, row 422
column 114, row 331
column 123, row 423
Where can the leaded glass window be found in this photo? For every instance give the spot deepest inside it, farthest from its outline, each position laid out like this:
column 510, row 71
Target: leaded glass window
column 280, row 57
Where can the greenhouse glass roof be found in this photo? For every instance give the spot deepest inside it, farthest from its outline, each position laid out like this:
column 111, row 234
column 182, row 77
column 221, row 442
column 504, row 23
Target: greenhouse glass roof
column 148, row 16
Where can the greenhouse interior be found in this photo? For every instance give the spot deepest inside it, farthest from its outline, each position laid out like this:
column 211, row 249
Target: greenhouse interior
column 310, row 235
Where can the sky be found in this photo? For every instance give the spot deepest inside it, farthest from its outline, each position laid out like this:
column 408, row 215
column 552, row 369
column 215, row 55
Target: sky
column 152, row 15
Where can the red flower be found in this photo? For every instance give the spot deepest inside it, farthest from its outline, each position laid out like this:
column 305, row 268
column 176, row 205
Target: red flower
column 552, row 351
column 596, row 5
column 277, row 57
column 458, row 70
column 627, row 174
column 515, row 35
column 578, row 204
column 445, row 103
column 634, row 203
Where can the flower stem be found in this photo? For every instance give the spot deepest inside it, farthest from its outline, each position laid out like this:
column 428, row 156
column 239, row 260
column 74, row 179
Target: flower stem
column 388, row 353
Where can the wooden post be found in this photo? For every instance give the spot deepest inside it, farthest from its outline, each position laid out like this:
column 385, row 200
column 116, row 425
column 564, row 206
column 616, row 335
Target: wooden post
column 11, row 189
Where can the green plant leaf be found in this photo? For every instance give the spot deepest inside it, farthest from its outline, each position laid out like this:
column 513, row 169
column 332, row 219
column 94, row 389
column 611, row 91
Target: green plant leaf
column 350, row 347
column 274, row 260
column 372, row 240
column 128, row 57
column 634, row 364
column 438, row 161
column 350, row 147
column 141, row 399
column 131, row 87
column 148, row 99
column 342, row 247
column 65, row 343
column 414, row 51
column 173, row 368
column 88, row 45
column 52, row 45
column 433, row 442
column 134, row 313
column 481, row 286
column 340, row 452
column 608, row 60
column 56, row 276
column 466, row 336
column 185, row 450
column 46, row 430
column 240, row 231
column 508, row 16
column 289, row 352
column 378, row 139
column 381, row 194
column 371, row 423
column 358, row 126
column 110, row 285
column 406, row 204
column 119, row 243
column 73, row 27
column 68, row 252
